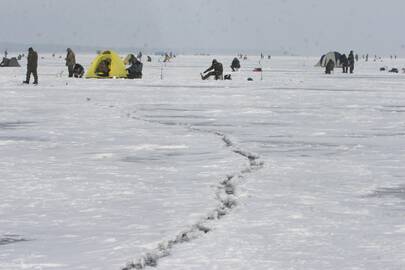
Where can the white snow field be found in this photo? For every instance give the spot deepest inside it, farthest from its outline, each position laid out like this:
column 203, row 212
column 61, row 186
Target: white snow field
column 299, row 170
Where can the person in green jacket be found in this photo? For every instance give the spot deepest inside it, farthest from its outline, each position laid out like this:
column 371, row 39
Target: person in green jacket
column 70, row 61
column 32, row 66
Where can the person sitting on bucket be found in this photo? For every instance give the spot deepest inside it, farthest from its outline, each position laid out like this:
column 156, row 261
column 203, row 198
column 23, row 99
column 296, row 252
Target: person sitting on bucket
column 216, row 70
column 103, row 68
column 135, row 70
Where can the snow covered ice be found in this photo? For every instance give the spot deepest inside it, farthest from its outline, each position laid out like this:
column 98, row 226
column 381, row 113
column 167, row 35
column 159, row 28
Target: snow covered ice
column 96, row 173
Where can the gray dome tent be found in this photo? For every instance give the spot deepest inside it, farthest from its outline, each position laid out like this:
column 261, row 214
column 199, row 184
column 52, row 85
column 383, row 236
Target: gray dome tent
column 334, row 56
column 9, row 62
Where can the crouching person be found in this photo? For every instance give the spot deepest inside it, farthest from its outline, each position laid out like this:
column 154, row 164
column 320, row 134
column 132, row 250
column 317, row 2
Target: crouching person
column 135, row 70
column 78, row 71
column 235, row 66
column 216, row 70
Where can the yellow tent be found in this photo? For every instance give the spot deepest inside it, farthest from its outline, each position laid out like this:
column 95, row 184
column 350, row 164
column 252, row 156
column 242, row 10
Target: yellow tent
column 117, row 67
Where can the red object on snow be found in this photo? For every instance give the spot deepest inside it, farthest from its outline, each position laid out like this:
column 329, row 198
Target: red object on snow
column 258, row 70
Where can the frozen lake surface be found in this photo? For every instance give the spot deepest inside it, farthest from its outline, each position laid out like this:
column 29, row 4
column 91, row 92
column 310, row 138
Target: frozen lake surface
column 296, row 171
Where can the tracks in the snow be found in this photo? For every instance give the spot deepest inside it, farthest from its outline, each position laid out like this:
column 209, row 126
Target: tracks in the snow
column 225, row 195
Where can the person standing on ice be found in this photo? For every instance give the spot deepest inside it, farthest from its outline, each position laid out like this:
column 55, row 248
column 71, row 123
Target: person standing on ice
column 344, row 62
column 32, row 66
column 216, row 70
column 329, row 66
column 351, row 62
column 70, row 61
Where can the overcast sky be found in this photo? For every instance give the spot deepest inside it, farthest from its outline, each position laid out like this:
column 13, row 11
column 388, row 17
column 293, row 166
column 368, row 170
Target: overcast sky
column 299, row 26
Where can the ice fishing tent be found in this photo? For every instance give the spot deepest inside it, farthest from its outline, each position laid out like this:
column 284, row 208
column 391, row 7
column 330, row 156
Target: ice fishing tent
column 334, row 56
column 117, row 67
column 9, row 62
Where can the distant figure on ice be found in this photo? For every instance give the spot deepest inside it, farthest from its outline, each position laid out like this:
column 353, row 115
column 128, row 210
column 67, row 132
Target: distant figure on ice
column 235, row 66
column 104, row 68
column 140, row 56
column 135, row 70
column 351, row 61
column 367, row 58
column 78, row 71
column 32, row 66
column 344, row 62
column 167, row 58
column 216, row 70
column 70, row 61
column 329, row 66
column 149, row 59
column 5, row 54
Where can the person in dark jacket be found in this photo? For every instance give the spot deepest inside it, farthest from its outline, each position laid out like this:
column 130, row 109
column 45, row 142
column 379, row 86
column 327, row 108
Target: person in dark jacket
column 135, row 70
column 78, row 71
column 329, row 66
column 216, row 70
column 344, row 62
column 235, row 66
column 70, row 61
column 351, row 62
column 32, row 66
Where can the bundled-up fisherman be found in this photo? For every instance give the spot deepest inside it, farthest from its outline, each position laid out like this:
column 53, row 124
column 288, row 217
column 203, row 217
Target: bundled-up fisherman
column 216, row 70
column 78, row 71
column 235, row 66
column 329, row 66
column 32, row 66
column 70, row 61
column 344, row 62
column 135, row 70
column 351, row 61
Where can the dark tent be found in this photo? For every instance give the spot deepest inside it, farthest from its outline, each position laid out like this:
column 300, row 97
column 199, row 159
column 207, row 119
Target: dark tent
column 9, row 62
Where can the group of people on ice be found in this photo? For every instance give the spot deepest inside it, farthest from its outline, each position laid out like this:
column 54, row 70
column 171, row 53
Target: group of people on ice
column 347, row 63
column 104, row 67
column 216, row 70
column 77, row 71
column 134, row 71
